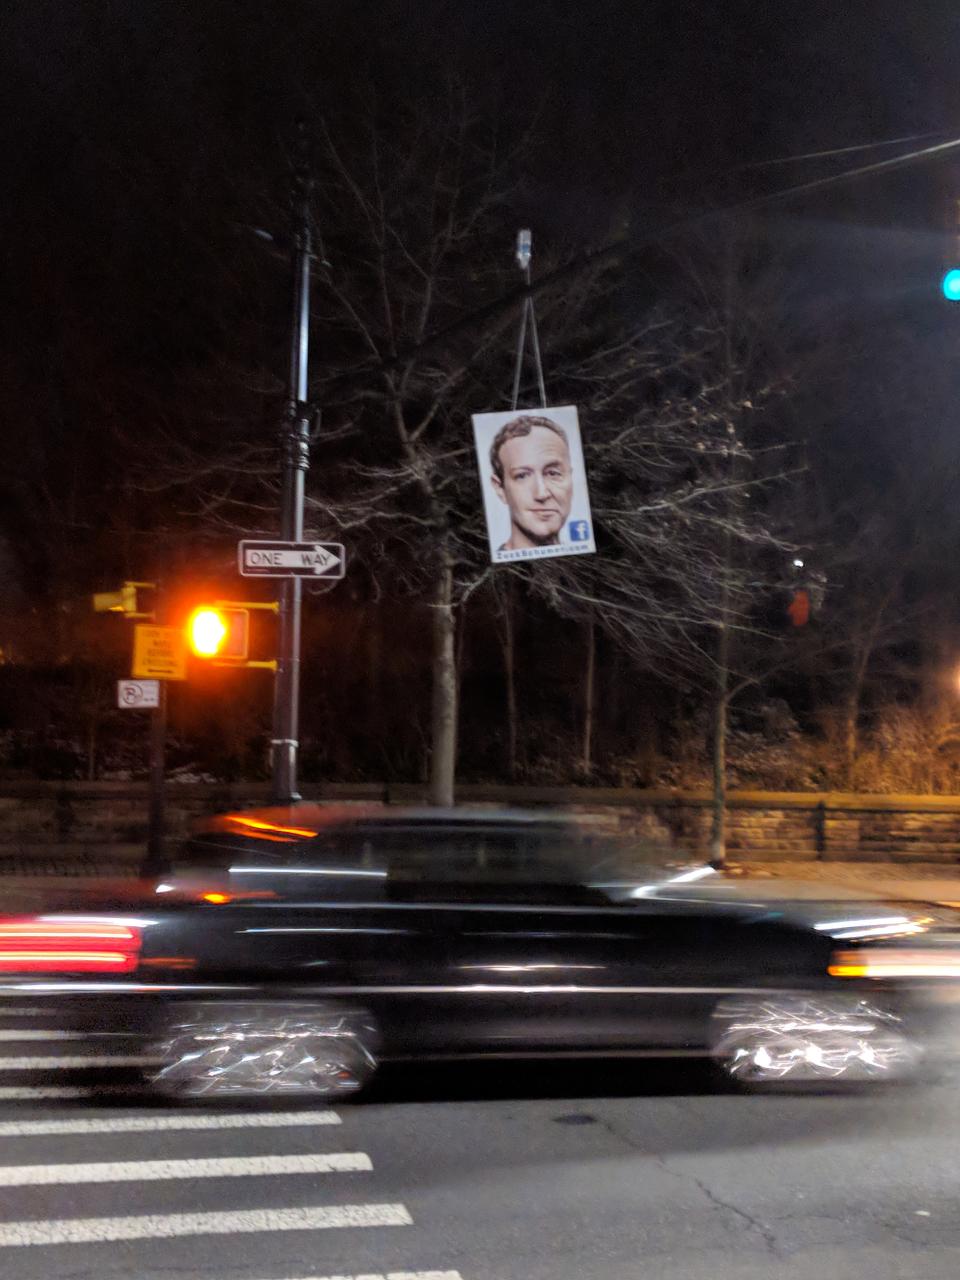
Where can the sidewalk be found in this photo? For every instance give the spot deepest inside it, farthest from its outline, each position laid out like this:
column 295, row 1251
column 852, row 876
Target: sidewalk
column 23, row 894
column 922, row 881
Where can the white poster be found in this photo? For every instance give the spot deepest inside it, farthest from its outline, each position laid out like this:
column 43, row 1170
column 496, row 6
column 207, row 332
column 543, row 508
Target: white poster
column 534, row 484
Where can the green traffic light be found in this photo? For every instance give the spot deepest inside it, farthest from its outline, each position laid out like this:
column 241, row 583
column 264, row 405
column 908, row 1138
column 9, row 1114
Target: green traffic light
column 951, row 285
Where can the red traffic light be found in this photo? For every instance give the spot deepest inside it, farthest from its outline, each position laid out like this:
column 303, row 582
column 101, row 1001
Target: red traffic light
column 219, row 631
column 798, row 609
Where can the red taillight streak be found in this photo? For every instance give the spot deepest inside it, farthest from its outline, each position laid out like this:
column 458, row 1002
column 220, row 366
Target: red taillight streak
column 67, row 947
column 58, row 961
column 30, row 935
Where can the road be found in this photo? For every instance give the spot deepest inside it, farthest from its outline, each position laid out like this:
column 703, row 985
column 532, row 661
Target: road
column 534, row 1173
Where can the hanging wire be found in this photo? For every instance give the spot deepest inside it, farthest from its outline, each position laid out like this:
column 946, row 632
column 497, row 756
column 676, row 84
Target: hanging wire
column 521, row 344
column 535, row 343
column 528, row 319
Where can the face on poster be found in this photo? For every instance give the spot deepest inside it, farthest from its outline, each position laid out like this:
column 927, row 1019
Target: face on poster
column 534, row 484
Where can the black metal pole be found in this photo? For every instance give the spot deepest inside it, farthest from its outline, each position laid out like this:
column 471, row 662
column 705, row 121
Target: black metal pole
column 295, row 462
column 154, row 863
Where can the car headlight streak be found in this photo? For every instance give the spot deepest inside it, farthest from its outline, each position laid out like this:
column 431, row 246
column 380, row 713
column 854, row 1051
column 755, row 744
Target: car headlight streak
column 895, row 962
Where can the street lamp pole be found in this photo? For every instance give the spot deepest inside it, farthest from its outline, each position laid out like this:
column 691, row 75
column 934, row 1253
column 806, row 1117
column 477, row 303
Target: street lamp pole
column 295, row 461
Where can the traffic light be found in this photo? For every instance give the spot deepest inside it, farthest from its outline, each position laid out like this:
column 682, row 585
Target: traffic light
column 798, row 610
column 805, row 593
column 219, row 631
column 951, row 285
column 123, row 601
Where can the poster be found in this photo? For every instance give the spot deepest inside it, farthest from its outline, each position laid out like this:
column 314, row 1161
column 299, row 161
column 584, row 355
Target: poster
column 534, row 484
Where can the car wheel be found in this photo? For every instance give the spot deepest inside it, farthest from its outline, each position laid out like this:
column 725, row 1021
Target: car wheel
column 210, row 1049
column 819, row 1039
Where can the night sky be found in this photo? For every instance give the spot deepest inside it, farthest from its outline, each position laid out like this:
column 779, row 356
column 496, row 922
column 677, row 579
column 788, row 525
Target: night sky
column 661, row 100
column 126, row 126
column 136, row 137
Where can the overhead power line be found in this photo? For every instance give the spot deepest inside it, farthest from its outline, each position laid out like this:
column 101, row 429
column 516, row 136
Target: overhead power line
column 839, row 151
column 632, row 246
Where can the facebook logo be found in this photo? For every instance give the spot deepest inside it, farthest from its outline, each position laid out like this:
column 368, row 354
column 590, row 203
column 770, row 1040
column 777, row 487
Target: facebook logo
column 579, row 531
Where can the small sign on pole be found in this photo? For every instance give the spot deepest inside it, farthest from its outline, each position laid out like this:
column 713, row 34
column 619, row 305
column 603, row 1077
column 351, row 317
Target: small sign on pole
column 291, row 559
column 138, row 695
column 159, row 653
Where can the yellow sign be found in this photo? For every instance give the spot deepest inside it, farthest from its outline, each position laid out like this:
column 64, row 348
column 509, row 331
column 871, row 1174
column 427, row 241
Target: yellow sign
column 159, row 653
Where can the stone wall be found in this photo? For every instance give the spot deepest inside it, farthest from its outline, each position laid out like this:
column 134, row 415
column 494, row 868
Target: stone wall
column 76, row 828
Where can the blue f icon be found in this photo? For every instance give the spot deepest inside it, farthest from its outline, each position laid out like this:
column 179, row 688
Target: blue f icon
column 579, row 531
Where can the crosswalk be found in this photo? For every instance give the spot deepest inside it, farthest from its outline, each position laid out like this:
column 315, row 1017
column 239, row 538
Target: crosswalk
column 56, row 1053
column 52, row 1163
column 72, row 1175
column 169, row 1225
column 46, row 1093
column 179, row 1120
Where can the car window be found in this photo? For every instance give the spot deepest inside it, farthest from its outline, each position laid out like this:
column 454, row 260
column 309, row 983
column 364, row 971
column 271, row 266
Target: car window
column 480, row 865
column 473, row 863
column 422, row 862
column 341, row 864
column 220, row 850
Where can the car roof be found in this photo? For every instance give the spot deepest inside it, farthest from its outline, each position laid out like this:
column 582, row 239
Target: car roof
column 306, row 819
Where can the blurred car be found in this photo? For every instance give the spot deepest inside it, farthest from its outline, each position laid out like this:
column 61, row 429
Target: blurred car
column 292, row 950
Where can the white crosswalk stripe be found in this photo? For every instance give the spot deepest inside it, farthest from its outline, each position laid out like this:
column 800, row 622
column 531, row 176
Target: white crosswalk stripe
column 181, row 1120
column 171, row 1225
column 36, row 1093
column 390, row 1275
column 27, row 1033
column 38, row 1175
column 77, row 1063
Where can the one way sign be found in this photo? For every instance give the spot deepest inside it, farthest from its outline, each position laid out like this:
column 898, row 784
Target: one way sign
column 291, row 559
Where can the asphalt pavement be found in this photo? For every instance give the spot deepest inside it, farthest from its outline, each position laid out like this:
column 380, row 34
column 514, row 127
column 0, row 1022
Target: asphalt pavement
column 557, row 1171
column 538, row 1172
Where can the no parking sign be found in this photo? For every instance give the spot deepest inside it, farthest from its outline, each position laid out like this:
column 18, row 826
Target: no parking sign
column 138, row 695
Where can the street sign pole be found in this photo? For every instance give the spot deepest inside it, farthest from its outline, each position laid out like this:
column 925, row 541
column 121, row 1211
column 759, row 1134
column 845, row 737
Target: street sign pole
column 295, row 462
column 153, row 656
column 154, row 863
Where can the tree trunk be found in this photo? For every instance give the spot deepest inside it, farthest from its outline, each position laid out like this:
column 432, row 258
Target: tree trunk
column 509, row 668
column 374, row 630
column 718, row 825
column 588, row 698
column 93, row 725
column 851, row 710
column 461, row 646
column 443, row 729
column 851, row 723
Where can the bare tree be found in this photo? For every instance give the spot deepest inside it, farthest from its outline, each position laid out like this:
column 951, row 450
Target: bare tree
column 415, row 232
column 683, row 453
column 882, row 527
column 417, row 223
